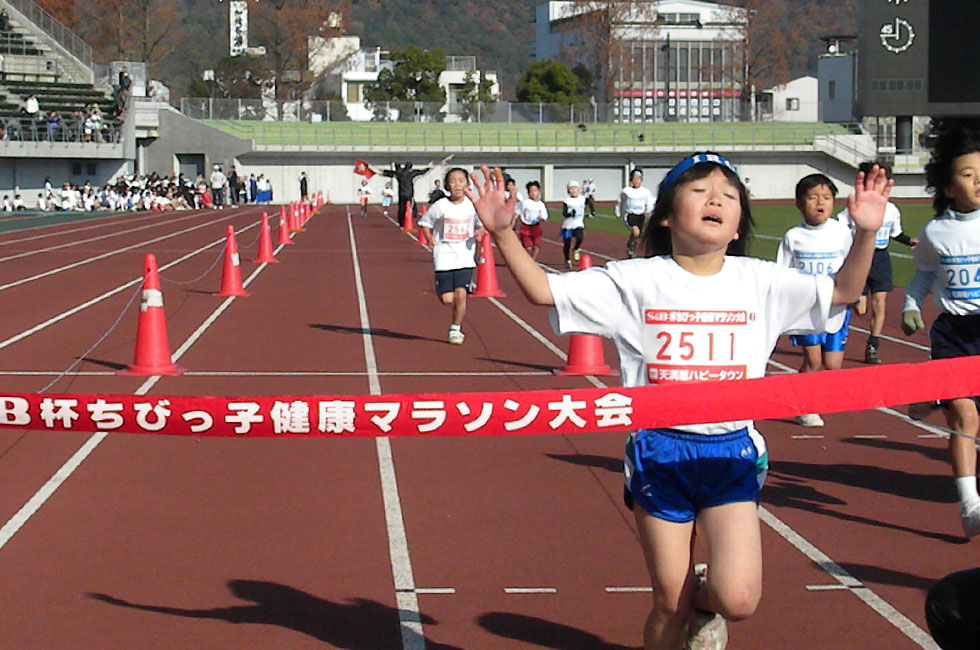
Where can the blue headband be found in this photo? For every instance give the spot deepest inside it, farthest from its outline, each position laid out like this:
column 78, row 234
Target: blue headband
column 687, row 163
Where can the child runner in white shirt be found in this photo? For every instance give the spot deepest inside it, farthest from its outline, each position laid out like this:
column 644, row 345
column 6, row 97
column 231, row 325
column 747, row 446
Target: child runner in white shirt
column 573, row 227
column 817, row 246
column 698, row 236
column 452, row 229
column 387, row 196
column 363, row 194
column 879, row 282
column 533, row 211
column 634, row 206
column 947, row 260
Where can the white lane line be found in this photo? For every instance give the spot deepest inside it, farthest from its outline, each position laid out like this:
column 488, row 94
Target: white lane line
column 530, row 590
column 435, row 590
column 837, row 587
column 88, row 303
column 871, row 599
column 93, row 224
column 629, row 590
column 115, row 233
column 878, row 604
column 804, row 436
column 905, row 342
column 870, row 436
column 111, row 253
column 406, row 593
column 59, row 477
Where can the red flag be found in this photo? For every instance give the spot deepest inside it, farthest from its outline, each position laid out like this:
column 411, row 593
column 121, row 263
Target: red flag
column 362, row 168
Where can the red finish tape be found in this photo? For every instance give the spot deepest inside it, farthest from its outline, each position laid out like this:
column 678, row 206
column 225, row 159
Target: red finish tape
column 524, row 412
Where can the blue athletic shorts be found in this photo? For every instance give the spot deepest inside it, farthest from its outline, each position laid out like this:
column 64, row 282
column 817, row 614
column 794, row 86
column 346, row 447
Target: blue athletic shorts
column 673, row 475
column 829, row 342
column 955, row 336
column 880, row 275
column 568, row 233
column 448, row 281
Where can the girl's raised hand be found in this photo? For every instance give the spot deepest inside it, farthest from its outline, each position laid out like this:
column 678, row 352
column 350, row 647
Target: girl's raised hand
column 867, row 205
column 494, row 209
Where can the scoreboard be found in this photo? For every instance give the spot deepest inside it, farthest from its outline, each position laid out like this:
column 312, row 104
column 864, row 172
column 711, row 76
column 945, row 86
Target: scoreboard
column 918, row 57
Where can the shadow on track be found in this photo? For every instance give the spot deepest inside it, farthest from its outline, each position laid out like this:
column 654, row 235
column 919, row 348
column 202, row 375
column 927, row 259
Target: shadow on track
column 545, row 634
column 357, row 624
column 614, row 465
column 373, row 332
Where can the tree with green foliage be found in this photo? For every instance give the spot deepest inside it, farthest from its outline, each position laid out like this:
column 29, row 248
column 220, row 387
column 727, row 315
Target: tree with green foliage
column 474, row 92
column 413, row 77
column 550, row 82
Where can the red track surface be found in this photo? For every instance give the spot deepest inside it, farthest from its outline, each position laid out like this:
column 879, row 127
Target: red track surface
column 171, row 542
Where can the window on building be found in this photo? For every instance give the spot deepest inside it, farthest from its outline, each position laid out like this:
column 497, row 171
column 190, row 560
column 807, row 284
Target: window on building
column 792, row 103
column 683, row 63
column 831, row 89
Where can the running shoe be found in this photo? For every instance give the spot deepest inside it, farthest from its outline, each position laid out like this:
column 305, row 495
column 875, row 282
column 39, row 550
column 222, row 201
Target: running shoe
column 871, row 355
column 576, row 255
column 631, row 249
column 706, row 630
column 810, row 420
column 568, row 264
column 970, row 518
column 456, row 336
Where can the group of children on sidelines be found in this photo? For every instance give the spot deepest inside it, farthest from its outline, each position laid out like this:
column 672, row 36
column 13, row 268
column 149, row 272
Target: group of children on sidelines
column 696, row 233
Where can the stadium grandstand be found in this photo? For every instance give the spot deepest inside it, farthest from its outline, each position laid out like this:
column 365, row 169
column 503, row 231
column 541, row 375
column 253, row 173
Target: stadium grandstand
column 50, row 89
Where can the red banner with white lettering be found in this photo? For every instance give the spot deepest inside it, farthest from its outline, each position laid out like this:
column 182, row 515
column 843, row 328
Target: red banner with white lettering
column 524, row 412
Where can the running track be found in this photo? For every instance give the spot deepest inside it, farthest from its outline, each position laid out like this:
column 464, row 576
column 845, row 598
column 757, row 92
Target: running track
column 471, row 543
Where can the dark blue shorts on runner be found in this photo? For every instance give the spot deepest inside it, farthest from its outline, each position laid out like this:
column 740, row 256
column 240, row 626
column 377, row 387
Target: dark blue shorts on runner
column 952, row 337
column 880, row 275
column 673, row 475
column 449, row 281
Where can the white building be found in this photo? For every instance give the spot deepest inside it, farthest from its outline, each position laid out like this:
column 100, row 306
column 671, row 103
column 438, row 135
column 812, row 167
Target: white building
column 794, row 101
column 680, row 60
column 349, row 68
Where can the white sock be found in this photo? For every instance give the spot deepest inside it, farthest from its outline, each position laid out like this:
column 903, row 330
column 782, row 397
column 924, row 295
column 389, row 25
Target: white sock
column 458, row 327
column 966, row 487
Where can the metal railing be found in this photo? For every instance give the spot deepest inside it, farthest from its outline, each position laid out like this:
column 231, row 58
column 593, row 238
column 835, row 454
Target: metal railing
column 66, row 130
column 64, row 36
column 299, row 110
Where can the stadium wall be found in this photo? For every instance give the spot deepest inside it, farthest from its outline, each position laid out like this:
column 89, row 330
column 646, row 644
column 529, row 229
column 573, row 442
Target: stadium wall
column 772, row 174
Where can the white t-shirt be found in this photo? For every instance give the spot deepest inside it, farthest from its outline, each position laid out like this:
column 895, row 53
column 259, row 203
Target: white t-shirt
column 576, row 213
column 363, row 192
column 817, row 250
column 670, row 325
column 533, row 212
column 948, row 257
column 517, row 205
column 454, row 228
column 890, row 227
column 635, row 200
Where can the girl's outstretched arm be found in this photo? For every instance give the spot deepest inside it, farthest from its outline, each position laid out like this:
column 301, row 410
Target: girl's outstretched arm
column 496, row 212
column 867, row 210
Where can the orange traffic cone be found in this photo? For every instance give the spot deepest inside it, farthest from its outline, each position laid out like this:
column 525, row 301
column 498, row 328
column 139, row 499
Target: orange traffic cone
column 585, row 350
column 297, row 219
column 231, row 275
column 283, row 228
column 265, row 243
column 486, row 272
column 421, row 238
column 407, row 219
column 152, row 355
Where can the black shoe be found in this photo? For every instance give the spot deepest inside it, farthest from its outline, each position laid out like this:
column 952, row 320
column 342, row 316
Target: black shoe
column 871, row 355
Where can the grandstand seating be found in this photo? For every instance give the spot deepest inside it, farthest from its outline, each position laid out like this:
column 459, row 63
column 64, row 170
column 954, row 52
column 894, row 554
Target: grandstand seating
column 63, row 97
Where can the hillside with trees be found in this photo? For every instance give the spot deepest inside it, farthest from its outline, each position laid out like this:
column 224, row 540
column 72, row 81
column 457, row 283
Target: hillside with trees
column 181, row 38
